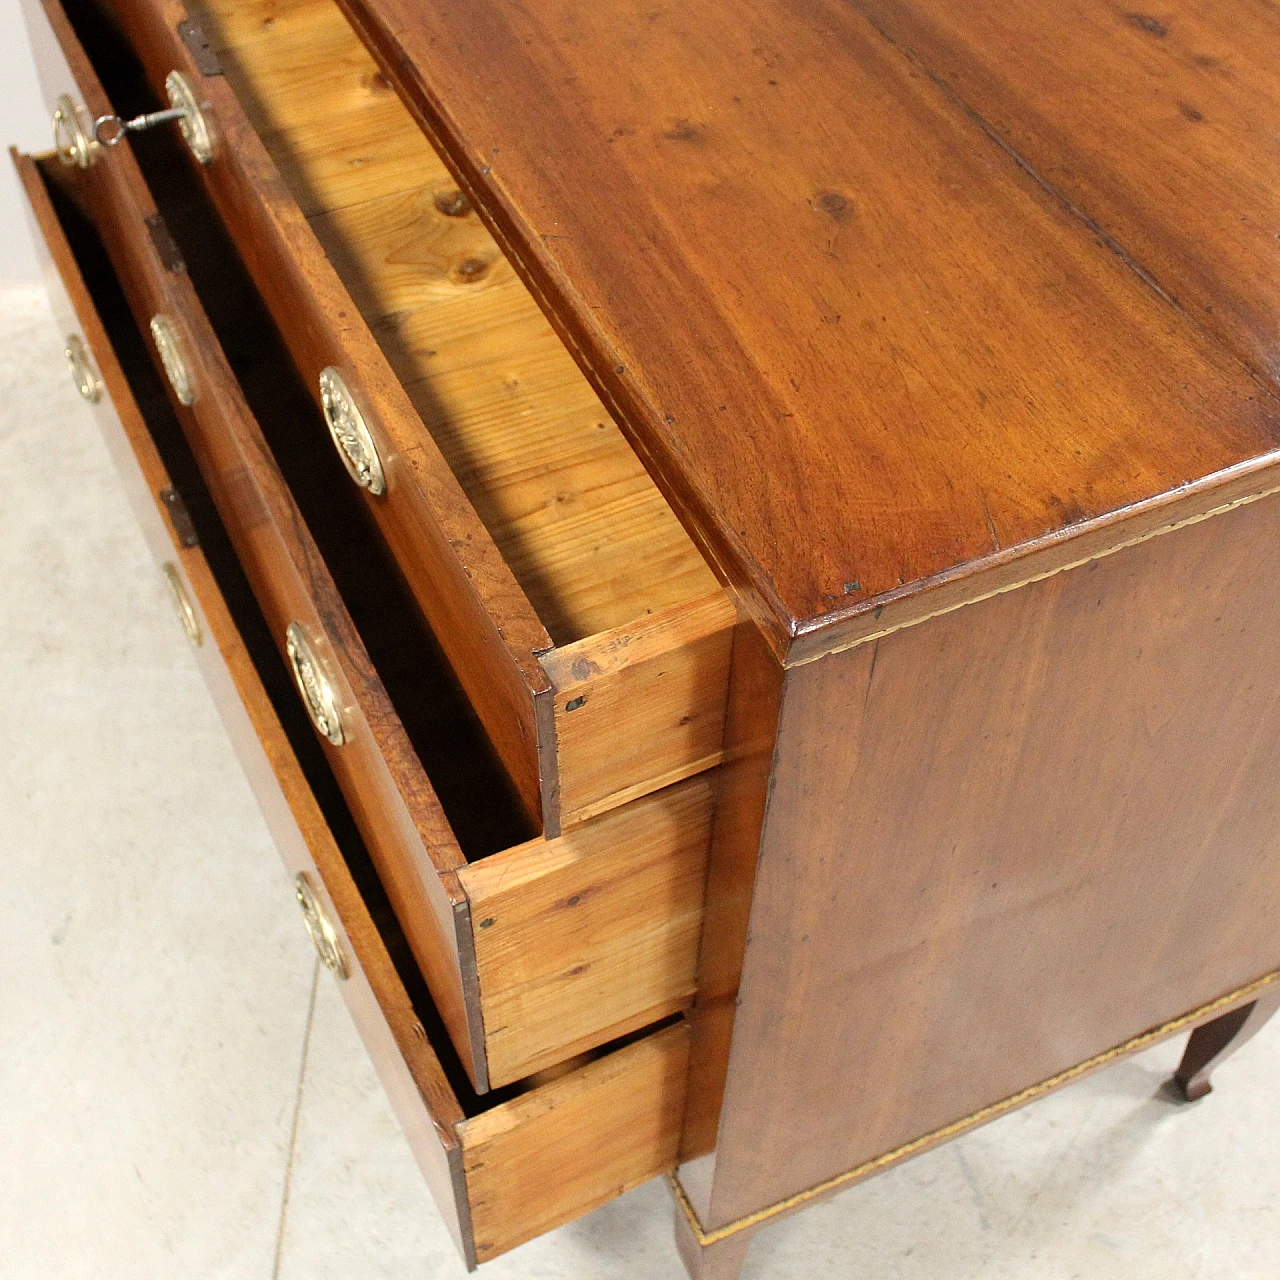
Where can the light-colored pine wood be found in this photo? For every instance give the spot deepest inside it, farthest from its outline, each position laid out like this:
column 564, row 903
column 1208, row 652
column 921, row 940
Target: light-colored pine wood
column 575, row 514
column 585, row 1133
column 587, row 937
column 561, row 1150
column 655, row 691
column 330, row 164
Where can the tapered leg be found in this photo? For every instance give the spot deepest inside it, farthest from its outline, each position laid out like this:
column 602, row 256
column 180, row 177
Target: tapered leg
column 1217, row 1040
column 720, row 1261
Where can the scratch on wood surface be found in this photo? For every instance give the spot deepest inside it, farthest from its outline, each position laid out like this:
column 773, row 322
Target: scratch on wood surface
column 991, row 526
column 871, row 674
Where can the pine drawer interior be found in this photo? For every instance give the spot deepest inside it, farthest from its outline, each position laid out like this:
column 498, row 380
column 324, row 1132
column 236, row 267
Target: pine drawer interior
column 601, row 560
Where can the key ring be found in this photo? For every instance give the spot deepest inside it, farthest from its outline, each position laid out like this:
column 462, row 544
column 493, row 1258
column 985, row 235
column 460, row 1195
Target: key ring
column 111, row 129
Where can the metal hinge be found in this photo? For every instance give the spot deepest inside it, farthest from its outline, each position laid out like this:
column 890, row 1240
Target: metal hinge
column 199, row 48
column 183, row 526
column 166, row 246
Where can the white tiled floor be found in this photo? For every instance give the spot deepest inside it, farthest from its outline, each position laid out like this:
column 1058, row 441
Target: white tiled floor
column 180, row 1096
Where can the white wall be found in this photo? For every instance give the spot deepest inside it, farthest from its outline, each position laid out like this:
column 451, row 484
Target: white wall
column 24, row 122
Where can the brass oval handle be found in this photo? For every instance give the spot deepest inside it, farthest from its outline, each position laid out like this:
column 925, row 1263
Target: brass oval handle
column 82, row 371
column 182, row 603
column 317, row 690
column 71, row 139
column 323, row 935
column 196, row 126
column 169, row 346
column 351, row 433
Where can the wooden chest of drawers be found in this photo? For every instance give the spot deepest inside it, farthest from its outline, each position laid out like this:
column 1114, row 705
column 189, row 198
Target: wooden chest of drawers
column 777, row 697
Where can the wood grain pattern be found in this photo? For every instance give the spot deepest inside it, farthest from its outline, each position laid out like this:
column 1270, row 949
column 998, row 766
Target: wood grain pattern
column 613, row 1122
column 475, row 607
column 386, row 788
column 576, row 1143
column 588, row 937
column 1161, row 125
column 839, row 408
column 641, row 705
column 410, row 1072
column 592, row 544
column 389, row 793
column 751, row 728
column 1051, row 816
column 574, row 513
column 1201, row 1016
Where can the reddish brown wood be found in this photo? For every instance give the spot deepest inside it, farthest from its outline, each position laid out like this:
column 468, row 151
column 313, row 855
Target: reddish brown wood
column 501, row 1173
column 906, row 361
column 409, row 1070
column 755, row 684
column 475, row 606
column 1211, row 1044
column 1161, row 124
column 390, row 794
column 1051, row 815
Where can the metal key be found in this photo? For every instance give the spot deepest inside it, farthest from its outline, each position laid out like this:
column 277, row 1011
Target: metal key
column 109, row 130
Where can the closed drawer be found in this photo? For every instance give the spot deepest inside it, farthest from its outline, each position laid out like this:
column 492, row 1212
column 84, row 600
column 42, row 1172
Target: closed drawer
column 534, row 950
column 583, row 624
column 502, row 1168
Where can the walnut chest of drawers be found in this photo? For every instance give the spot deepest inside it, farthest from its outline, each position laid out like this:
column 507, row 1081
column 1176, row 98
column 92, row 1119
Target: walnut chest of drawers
column 738, row 546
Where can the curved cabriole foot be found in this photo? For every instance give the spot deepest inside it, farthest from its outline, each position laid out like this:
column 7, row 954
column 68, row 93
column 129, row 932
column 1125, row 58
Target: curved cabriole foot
column 1212, row 1043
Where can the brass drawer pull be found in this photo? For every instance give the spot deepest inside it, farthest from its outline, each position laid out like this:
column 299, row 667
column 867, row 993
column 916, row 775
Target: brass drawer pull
column 318, row 693
column 182, row 602
column 194, row 122
column 319, row 926
column 81, row 365
column 71, row 139
column 351, row 433
column 172, row 355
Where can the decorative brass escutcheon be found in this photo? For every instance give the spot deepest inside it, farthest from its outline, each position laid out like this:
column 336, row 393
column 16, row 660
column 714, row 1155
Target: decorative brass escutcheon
column 71, row 140
column 182, row 602
column 318, row 693
column 351, row 433
column 174, row 358
column 319, row 926
column 82, row 371
column 194, row 122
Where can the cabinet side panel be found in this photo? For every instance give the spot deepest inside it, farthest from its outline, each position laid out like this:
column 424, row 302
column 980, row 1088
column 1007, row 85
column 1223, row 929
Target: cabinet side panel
column 1004, row 841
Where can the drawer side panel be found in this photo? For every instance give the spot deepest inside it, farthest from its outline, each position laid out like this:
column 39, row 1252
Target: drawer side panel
column 568, row 1147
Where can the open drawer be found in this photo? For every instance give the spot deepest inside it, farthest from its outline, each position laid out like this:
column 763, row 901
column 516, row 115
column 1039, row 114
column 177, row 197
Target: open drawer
column 533, row 950
column 503, row 1168
column 583, row 624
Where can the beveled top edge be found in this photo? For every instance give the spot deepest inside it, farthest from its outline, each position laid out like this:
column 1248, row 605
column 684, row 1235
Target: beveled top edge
column 836, row 513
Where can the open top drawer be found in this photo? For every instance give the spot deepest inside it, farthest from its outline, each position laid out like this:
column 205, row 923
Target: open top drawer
column 533, row 950
column 503, row 1168
column 585, row 627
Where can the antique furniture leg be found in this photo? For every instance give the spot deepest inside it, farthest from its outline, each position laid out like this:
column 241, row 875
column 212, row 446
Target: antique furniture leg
column 721, row 1260
column 1217, row 1040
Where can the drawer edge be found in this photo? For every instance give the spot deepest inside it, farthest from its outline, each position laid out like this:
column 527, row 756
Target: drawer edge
column 471, row 598
column 407, row 1066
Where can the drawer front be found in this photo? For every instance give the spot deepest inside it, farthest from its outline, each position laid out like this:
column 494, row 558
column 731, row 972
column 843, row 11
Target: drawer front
column 416, row 853
column 500, row 1174
column 533, row 954
column 582, row 726
column 413, row 1080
